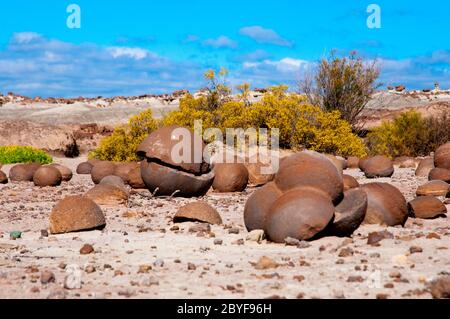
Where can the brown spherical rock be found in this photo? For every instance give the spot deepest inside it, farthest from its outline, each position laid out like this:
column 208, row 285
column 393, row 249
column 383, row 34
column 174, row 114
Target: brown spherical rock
column 258, row 205
column 350, row 213
column 123, row 169
column 259, row 172
column 313, row 170
column 135, row 179
column 198, row 211
column 101, row 170
column 426, row 207
column 163, row 143
column 109, row 195
column 353, row 162
column 386, row 205
column 377, row 166
column 3, row 178
column 66, row 172
column 76, row 213
column 434, row 188
column 84, row 168
column 439, row 174
column 167, row 181
column 230, row 177
column 300, row 213
column 442, row 156
column 424, row 167
column 47, row 176
column 23, row 172
column 349, row 182
column 339, row 162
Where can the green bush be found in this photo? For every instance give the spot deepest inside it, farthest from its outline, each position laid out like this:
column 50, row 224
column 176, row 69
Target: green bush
column 122, row 144
column 13, row 154
column 409, row 135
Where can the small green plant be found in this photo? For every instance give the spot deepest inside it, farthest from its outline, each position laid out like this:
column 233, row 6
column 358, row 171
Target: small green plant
column 13, row 154
column 122, row 144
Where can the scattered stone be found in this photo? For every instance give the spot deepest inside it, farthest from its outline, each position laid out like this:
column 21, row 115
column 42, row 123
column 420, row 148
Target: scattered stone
column 144, row 269
column 47, row 277
column 158, row 263
column 256, row 235
column 375, row 237
column 265, row 263
column 109, row 195
column 191, row 266
column 382, row 296
column 415, row 250
column 84, row 168
column 433, row 236
column 44, row 233
column 218, row 241
column 86, row 249
column 233, row 230
column 89, row 269
column 72, row 283
column 346, row 252
column 434, row 188
column 440, row 288
column 57, row 294
column 355, row 279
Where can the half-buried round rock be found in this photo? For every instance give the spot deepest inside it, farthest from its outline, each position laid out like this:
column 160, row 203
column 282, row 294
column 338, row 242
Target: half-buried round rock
column 350, row 213
column 258, row 205
column 378, row 166
column 386, row 205
column 300, row 213
column 424, row 167
column 47, row 176
column 442, row 156
column 349, row 182
column 84, row 168
column 198, row 211
column 108, row 195
column 439, row 174
column 230, row 177
column 101, row 170
column 310, row 169
column 76, row 213
column 66, row 172
column 23, row 172
column 166, row 181
column 3, row 178
column 426, row 207
column 434, row 188
column 114, row 181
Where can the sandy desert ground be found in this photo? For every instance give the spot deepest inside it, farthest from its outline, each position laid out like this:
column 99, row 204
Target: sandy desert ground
column 142, row 254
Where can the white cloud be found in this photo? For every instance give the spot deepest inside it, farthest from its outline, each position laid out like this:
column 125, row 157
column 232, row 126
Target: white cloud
column 134, row 53
column 25, row 37
column 263, row 35
column 220, row 42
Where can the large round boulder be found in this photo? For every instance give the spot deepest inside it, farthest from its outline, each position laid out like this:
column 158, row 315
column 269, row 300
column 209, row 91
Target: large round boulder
column 426, row 207
column 168, row 144
column 101, row 170
column 350, row 213
column 76, row 213
column 300, row 213
column 353, row 162
column 167, row 181
column 442, row 156
column 23, row 172
column 230, row 177
column 84, row 168
column 258, row 205
column 424, row 167
column 434, row 188
column 439, row 174
column 3, row 178
column 66, row 173
column 386, row 205
column 377, row 166
column 310, row 169
column 259, row 172
column 106, row 194
column 47, row 176
column 123, row 170
column 197, row 212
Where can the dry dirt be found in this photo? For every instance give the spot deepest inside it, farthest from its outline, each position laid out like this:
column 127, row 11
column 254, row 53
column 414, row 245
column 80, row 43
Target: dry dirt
column 143, row 234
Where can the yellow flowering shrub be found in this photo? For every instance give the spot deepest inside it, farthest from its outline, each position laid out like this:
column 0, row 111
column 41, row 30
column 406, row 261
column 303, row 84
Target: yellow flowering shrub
column 13, row 154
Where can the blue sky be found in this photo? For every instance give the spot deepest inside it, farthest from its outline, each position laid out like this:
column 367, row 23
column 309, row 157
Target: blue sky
column 137, row 47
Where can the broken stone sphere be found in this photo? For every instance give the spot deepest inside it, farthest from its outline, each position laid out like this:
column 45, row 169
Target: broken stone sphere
column 173, row 165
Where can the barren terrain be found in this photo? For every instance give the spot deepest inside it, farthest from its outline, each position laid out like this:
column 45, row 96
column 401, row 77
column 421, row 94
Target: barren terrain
column 142, row 254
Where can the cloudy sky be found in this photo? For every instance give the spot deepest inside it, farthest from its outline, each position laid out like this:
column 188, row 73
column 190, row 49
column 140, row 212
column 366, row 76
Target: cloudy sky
column 137, row 47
